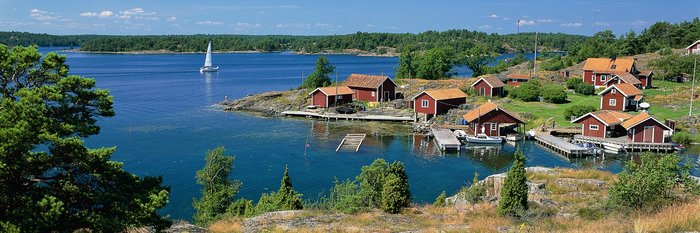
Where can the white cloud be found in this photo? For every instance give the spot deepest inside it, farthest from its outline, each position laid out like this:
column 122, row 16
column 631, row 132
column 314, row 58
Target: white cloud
column 88, row 14
column 545, row 20
column 106, row 13
column 326, row 25
column 135, row 13
column 506, row 18
column 485, row 26
column 493, row 16
column 639, row 23
column 208, row 22
column 574, row 24
column 524, row 22
column 371, row 25
column 42, row 15
column 602, row 24
column 596, row 10
column 293, row 25
column 171, row 19
column 240, row 26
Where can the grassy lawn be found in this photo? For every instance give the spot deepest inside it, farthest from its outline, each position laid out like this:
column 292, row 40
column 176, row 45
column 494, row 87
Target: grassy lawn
column 668, row 101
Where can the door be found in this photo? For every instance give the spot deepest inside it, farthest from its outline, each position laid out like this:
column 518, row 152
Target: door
column 648, row 134
column 482, row 91
column 386, row 96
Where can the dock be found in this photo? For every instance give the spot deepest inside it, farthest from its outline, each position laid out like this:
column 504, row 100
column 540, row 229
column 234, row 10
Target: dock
column 349, row 117
column 446, row 140
column 623, row 144
column 351, row 142
column 560, row 145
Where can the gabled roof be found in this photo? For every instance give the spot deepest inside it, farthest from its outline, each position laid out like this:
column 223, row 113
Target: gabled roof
column 628, row 90
column 492, row 81
column 518, row 76
column 330, row 91
column 645, row 72
column 486, row 108
column 691, row 45
column 607, row 117
column 365, row 80
column 444, row 94
column 606, row 64
column 626, row 77
column 638, row 119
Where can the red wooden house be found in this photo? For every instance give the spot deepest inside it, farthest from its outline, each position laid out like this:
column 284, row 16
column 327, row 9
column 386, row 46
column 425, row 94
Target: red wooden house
column 641, row 128
column 621, row 97
column 435, row 102
column 598, row 71
column 694, row 48
column 516, row 79
column 325, row 96
column 488, row 119
column 645, row 77
column 371, row 88
column 489, row 86
column 623, row 77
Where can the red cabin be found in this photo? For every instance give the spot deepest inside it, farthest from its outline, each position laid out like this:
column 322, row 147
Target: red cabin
column 620, row 97
column 644, row 128
column 489, row 118
column 641, row 128
column 598, row 71
column 371, row 88
column 645, row 77
column 516, row 79
column 435, row 102
column 489, row 86
column 694, row 48
column 623, row 77
column 325, row 96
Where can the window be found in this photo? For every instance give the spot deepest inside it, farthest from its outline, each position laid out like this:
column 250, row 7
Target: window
column 593, row 127
column 613, row 91
column 593, row 77
column 374, row 94
column 613, row 67
column 424, row 103
column 612, row 102
column 603, row 77
column 340, row 97
column 493, row 126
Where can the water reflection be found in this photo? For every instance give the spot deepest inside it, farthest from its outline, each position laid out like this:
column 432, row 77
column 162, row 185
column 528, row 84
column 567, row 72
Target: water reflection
column 208, row 79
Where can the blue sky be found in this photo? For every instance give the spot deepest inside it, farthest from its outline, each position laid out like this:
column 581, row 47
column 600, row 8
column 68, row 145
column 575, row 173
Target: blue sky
column 317, row 17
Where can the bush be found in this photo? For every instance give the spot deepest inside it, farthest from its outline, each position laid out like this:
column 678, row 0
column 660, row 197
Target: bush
column 651, row 182
column 585, row 88
column 514, row 193
column 392, row 200
column 554, row 94
column 552, row 64
column 665, row 51
column 682, row 138
column 440, row 200
column 476, row 191
column 284, row 199
column 573, row 82
column 345, row 197
column 375, row 191
column 529, row 91
column 576, row 111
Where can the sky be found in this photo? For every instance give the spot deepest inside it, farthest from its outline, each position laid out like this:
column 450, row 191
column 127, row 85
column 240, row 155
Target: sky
column 319, row 17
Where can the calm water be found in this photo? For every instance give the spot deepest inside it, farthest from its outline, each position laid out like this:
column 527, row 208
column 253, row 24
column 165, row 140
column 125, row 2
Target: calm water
column 165, row 123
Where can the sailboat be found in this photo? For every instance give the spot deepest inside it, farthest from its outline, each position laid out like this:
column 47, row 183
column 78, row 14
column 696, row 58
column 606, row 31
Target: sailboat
column 207, row 62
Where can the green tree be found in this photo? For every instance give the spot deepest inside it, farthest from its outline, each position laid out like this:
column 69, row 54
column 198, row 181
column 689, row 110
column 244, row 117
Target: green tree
column 585, row 88
column 651, row 182
column 674, row 65
column 476, row 191
column 286, row 198
column 407, row 63
column 514, row 191
column 554, row 94
column 320, row 76
column 529, row 91
column 371, row 181
column 345, row 197
column 571, row 83
column 218, row 192
column 435, row 64
column 575, row 111
column 392, row 200
column 49, row 180
column 440, row 200
column 477, row 59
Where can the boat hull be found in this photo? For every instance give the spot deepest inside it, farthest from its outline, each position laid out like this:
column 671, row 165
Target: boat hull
column 484, row 140
column 208, row 69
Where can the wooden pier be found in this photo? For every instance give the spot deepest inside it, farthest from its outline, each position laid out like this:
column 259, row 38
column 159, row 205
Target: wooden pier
column 446, row 140
column 349, row 117
column 351, row 142
column 622, row 144
column 560, row 145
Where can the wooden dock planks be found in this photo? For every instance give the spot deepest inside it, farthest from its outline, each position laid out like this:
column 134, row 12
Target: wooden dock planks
column 446, row 140
column 349, row 117
column 351, row 142
column 559, row 145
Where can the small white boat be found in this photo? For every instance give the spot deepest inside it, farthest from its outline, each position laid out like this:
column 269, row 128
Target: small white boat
column 207, row 62
column 513, row 137
column 483, row 139
column 460, row 134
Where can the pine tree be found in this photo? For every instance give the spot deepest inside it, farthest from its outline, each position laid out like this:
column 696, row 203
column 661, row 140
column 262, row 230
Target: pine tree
column 289, row 199
column 320, row 76
column 440, row 200
column 514, row 193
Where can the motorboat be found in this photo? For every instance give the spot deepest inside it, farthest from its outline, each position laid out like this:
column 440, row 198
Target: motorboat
column 513, row 137
column 483, row 139
column 460, row 134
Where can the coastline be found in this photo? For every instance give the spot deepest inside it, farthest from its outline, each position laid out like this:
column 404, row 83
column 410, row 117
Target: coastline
column 158, row 52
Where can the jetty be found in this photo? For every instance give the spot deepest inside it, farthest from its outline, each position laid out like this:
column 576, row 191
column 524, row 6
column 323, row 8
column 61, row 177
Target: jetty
column 560, row 145
column 349, row 117
column 351, row 142
column 446, row 140
column 623, row 144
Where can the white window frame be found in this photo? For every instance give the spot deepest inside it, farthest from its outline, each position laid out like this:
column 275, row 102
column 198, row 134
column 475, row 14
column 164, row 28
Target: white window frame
column 612, row 102
column 603, row 77
column 424, row 103
column 593, row 77
column 614, row 91
column 340, row 97
column 374, row 94
column 593, row 127
column 493, row 126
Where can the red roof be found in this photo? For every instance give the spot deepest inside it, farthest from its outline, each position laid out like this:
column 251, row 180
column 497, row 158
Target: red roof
column 492, row 81
column 519, row 76
column 365, row 80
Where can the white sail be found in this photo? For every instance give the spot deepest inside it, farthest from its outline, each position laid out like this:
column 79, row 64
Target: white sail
column 207, row 60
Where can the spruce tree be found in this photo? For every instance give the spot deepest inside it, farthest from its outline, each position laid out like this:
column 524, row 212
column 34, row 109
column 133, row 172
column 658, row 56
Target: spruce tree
column 320, row 76
column 440, row 200
column 289, row 199
column 514, row 193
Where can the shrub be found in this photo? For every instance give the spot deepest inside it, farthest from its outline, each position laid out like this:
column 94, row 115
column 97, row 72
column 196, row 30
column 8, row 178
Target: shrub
column 651, row 182
column 514, row 193
column 392, row 200
column 552, row 64
column 529, row 91
column 576, row 111
column 682, row 137
column 554, row 94
column 284, row 199
column 440, row 200
column 585, row 88
column 218, row 192
column 573, row 82
column 374, row 190
column 476, row 191
column 345, row 197
column 665, row 51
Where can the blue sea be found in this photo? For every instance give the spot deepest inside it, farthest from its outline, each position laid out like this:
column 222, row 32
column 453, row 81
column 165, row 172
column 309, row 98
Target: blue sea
column 166, row 121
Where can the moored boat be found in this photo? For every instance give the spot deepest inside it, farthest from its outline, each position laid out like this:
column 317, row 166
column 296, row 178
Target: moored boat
column 483, row 139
